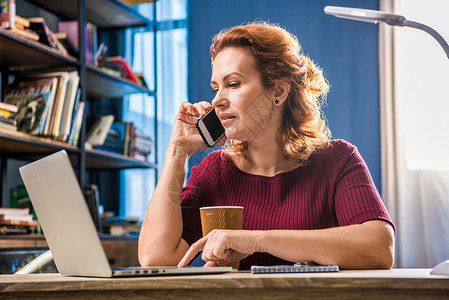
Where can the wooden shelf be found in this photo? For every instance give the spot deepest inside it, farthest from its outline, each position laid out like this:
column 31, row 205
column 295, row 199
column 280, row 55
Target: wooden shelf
column 18, row 144
column 99, row 84
column 103, row 160
column 19, row 53
column 106, row 14
column 38, row 240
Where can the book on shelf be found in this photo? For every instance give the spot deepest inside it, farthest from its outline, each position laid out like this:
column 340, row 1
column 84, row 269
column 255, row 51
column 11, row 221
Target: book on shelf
column 54, row 115
column 117, row 139
column 92, row 196
column 100, row 53
column 13, row 211
column 22, row 29
column 59, row 45
column 8, row 107
column 16, row 216
column 45, row 103
column 8, row 123
column 74, row 113
column 31, row 109
column 7, row 13
column 142, row 80
column 32, row 96
column 19, row 198
column 117, row 73
column 38, row 25
column 61, row 96
column 70, row 28
column 141, row 146
column 77, row 123
column 120, row 226
column 121, row 65
column 97, row 134
column 91, row 44
column 124, row 229
column 123, row 138
column 68, row 106
column 15, row 229
column 7, row 110
column 21, row 23
column 63, row 38
column 46, row 36
column 16, row 220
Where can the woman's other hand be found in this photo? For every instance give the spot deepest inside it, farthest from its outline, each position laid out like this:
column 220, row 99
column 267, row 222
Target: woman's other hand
column 221, row 247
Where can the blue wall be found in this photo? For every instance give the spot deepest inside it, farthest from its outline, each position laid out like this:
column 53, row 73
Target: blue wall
column 346, row 50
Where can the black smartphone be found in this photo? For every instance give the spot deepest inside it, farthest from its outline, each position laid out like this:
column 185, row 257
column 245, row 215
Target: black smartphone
column 210, row 128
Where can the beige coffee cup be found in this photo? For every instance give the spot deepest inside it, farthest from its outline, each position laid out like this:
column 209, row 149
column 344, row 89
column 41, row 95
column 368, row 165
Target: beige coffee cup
column 222, row 217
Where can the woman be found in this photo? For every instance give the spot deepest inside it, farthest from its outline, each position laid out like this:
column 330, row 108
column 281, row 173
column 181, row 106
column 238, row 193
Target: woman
column 306, row 198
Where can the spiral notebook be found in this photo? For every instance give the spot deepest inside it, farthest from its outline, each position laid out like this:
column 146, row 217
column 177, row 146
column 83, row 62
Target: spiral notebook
column 296, row 268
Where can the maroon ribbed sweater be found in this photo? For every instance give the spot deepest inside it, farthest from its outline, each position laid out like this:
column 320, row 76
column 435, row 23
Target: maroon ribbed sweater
column 333, row 189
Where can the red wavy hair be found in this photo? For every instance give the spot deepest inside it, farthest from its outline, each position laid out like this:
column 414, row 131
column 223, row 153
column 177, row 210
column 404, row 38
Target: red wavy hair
column 278, row 56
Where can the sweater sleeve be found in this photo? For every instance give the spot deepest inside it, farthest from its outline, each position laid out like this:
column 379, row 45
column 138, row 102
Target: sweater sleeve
column 356, row 197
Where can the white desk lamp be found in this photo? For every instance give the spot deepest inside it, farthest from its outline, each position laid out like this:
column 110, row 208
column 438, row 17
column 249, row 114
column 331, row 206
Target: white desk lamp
column 375, row 16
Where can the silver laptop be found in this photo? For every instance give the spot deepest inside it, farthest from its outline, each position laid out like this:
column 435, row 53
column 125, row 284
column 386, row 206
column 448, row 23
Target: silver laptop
column 68, row 227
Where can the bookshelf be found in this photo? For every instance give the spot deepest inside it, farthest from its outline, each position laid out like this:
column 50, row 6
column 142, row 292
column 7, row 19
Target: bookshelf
column 98, row 12
column 20, row 55
column 17, row 53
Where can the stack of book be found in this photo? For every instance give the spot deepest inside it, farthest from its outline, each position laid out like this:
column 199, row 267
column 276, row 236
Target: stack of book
column 7, row 13
column 141, row 146
column 48, row 105
column 124, row 139
column 16, row 220
column 118, row 66
column 7, row 112
column 65, row 41
column 118, row 138
column 46, row 36
column 13, row 23
column 120, row 226
column 32, row 28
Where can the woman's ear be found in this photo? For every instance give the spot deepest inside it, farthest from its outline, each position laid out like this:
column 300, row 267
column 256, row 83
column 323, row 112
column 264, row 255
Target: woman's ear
column 282, row 89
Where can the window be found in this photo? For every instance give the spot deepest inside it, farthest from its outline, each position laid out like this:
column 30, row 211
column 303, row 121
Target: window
column 171, row 83
column 416, row 161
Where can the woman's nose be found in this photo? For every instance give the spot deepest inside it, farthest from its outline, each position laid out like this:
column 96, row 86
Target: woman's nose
column 218, row 100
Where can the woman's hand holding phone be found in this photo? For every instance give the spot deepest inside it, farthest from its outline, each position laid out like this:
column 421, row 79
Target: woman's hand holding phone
column 185, row 133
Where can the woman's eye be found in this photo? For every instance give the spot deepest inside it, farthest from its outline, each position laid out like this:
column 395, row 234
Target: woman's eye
column 234, row 84
column 215, row 91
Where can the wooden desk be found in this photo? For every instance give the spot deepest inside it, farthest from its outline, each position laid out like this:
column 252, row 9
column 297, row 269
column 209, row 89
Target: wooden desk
column 377, row 284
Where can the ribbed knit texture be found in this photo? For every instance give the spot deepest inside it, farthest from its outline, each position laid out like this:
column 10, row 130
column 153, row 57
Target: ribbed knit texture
column 333, row 189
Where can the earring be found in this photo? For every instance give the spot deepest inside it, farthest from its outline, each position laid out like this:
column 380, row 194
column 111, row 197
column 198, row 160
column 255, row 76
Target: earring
column 276, row 102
